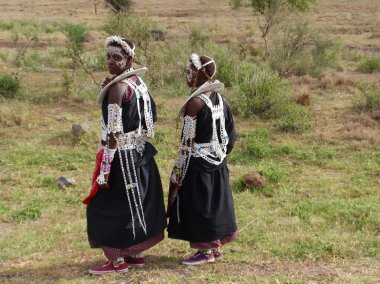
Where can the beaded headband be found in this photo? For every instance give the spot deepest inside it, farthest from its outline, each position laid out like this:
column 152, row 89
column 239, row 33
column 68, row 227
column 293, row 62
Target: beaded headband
column 120, row 41
column 196, row 60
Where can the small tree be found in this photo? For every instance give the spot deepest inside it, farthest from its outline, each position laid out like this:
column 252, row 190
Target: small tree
column 31, row 39
column 119, row 6
column 272, row 9
column 297, row 49
column 76, row 35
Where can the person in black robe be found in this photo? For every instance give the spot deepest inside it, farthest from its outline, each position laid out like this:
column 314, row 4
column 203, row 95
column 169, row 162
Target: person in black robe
column 126, row 211
column 200, row 203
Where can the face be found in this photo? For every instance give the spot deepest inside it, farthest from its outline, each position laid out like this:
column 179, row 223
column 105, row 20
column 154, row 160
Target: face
column 117, row 61
column 191, row 75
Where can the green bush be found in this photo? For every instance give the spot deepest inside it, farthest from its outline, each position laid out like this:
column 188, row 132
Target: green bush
column 76, row 35
column 259, row 92
column 370, row 64
column 294, row 118
column 31, row 212
column 273, row 172
column 235, row 4
column 256, row 144
column 96, row 61
column 368, row 98
column 226, row 72
column 299, row 50
column 197, row 38
column 67, row 84
column 251, row 146
column 9, row 86
column 265, row 94
column 6, row 26
column 21, row 48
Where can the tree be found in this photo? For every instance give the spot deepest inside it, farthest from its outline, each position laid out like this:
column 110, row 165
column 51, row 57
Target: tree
column 76, row 36
column 272, row 9
column 119, row 6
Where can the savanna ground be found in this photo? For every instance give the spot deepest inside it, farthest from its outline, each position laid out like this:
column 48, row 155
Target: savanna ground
column 317, row 220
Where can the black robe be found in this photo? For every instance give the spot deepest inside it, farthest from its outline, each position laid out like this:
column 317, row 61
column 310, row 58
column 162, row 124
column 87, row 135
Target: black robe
column 206, row 208
column 109, row 220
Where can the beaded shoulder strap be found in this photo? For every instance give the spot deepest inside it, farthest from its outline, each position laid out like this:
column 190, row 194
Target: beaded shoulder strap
column 141, row 91
column 216, row 110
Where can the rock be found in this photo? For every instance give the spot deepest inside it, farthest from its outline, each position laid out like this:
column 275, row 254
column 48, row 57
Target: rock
column 80, row 128
column 254, row 180
column 65, row 182
column 157, row 34
column 375, row 114
column 303, row 99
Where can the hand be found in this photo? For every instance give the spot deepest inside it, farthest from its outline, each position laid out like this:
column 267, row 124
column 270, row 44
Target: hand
column 102, row 180
column 103, row 186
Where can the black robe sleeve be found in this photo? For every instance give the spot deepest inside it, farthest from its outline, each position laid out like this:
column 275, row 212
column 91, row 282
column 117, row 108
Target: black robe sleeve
column 230, row 127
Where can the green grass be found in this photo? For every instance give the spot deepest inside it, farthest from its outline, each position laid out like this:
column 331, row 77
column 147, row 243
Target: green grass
column 317, row 220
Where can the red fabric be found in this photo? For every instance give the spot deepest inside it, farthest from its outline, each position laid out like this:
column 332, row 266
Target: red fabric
column 95, row 186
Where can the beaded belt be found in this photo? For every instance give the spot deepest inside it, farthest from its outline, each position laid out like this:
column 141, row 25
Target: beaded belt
column 132, row 140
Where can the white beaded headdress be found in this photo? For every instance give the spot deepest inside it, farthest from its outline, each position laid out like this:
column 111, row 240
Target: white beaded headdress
column 120, row 41
column 196, row 60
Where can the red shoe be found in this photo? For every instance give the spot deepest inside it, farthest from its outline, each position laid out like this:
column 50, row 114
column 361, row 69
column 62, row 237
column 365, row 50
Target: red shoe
column 135, row 261
column 123, row 267
column 109, row 267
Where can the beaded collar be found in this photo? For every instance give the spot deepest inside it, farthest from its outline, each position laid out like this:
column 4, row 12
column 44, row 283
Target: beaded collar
column 214, row 85
column 125, row 74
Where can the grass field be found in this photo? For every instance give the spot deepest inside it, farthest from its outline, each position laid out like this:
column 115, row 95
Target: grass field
column 317, row 220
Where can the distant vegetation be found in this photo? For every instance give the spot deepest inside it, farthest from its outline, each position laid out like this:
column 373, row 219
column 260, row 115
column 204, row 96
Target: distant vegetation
column 9, row 86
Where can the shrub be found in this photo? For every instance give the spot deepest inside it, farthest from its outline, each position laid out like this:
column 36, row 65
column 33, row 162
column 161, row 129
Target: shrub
column 264, row 94
column 259, row 92
column 120, row 5
column 225, row 69
column 76, row 35
column 96, row 61
column 6, row 26
column 252, row 146
column 21, row 48
column 31, row 212
column 235, row 4
column 256, row 144
column 197, row 38
column 368, row 98
column 273, row 172
column 294, row 118
column 299, row 50
column 67, row 85
column 9, row 86
column 370, row 64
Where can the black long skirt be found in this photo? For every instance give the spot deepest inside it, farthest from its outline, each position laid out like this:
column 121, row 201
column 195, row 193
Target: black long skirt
column 206, row 208
column 109, row 220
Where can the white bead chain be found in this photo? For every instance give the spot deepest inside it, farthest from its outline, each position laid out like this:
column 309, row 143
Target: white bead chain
column 132, row 187
column 126, row 190
column 143, row 224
